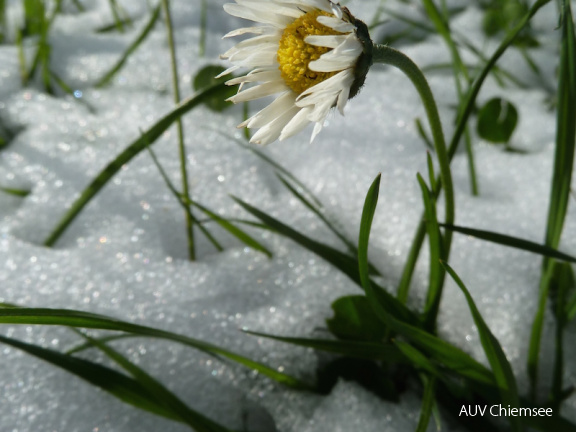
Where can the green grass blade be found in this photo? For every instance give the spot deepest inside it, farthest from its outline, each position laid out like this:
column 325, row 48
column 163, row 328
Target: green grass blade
column 340, row 260
column 318, row 212
column 343, row 262
column 359, row 349
column 234, row 230
column 73, row 318
column 119, row 385
column 182, row 200
column 514, row 242
column 417, row 359
column 501, row 368
column 440, row 350
column 149, row 137
column 562, row 175
column 164, row 396
column 428, row 403
column 22, row 193
column 436, row 276
column 105, row 339
column 108, row 76
column 470, row 100
column 225, row 224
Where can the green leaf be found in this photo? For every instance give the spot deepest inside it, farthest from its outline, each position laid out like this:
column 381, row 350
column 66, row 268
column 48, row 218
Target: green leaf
column 205, row 78
column 354, row 319
column 501, row 368
column 497, row 120
column 358, row 349
column 119, row 385
column 73, row 318
column 515, row 242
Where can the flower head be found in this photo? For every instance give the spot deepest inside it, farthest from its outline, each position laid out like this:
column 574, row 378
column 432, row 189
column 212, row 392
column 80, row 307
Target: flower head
column 313, row 54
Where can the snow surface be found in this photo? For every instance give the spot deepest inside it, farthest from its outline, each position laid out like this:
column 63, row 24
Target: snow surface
column 125, row 256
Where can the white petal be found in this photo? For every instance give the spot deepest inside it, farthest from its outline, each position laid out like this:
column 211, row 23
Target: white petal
column 317, row 128
column 259, row 91
column 268, row 75
column 271, row 132
column 336, row 24
column 281, row 104
column 328, row 41
column 296, row 124
column 253, row 30
column 272, row 7
column 272, row 18
column 343, row 56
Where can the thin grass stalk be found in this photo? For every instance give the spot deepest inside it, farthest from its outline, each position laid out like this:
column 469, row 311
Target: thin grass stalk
column 148, row 137
column 203, row 25
column 2, row 21
column 561, row 181
column 181, row 146
column 116, row 15
column 405, row 280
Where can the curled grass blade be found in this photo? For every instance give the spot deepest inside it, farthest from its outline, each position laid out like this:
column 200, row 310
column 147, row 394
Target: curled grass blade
column 149, row 137
column 452, row 357
column 501, row 368
column 164, row 397
column 108, row 76
column 358, row 349
column 119, row 385
column 73, row 318
column 515, row 242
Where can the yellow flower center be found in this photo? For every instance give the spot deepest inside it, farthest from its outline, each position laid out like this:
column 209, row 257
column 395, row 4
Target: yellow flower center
column 294, row 54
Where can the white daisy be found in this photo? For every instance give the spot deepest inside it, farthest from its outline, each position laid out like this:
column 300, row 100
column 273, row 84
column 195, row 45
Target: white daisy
column 313, row 54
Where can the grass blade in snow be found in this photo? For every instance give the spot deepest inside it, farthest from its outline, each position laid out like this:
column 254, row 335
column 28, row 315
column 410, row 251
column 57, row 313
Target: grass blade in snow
column 442, row 351
column 436, row 277
column 358, row 349
column 148, row 137
column 73, row 318
column 500, row 366
column 562, row 176
column 108, row 76
column 164, row 396
column 115, row 383
column 514, row 242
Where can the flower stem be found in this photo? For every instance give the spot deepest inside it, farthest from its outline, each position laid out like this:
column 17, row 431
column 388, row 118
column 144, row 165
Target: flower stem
column 181, row 148
column 386, row 55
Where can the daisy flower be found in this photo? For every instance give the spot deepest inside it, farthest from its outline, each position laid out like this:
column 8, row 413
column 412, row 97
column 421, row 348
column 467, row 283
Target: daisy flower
column 312, row 54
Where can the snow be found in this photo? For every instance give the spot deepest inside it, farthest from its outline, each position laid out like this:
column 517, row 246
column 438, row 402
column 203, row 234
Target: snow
column 125, row 255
